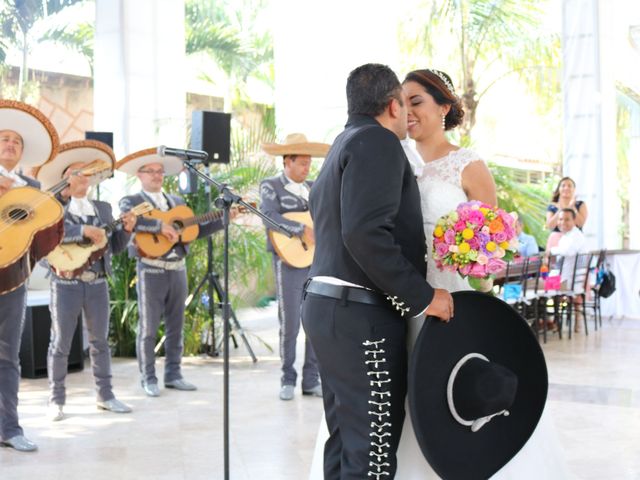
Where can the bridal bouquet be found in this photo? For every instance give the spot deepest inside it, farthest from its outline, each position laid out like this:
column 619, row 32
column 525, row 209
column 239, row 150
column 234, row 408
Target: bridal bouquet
column 475, row 240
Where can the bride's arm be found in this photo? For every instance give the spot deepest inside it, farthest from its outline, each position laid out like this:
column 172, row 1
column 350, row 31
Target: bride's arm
column 478, row 183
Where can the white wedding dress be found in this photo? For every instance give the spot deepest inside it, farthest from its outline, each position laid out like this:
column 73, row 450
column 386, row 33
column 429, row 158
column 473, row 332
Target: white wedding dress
column 440, row 183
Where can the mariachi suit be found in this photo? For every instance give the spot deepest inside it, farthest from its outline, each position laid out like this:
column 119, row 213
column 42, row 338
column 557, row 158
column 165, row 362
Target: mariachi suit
column 162, row 291
column 86, row 295
column 276, row 199
column 368, row 228
column 12, row 312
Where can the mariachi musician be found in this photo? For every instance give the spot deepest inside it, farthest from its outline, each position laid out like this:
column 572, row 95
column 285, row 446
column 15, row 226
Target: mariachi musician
column 27, row 139
column 85, row 291
column 284, row 193
column 162, row 281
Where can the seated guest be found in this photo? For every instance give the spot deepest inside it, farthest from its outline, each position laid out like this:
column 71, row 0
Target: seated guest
column 88, row 291
column 527, row 245
column 571, row 243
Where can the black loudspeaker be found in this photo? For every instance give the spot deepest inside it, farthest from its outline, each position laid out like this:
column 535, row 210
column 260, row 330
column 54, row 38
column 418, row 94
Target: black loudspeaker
column 211, row 132
column 104, row 137
column 35, row 344
column 187, row 182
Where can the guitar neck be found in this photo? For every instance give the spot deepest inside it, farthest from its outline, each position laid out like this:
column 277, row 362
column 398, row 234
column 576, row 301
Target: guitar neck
column 205, row 217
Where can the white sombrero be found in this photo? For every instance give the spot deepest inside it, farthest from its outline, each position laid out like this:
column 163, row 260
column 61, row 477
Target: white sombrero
column 297, row 144
column 39, row 136
column 81, row 151
column 135, row 161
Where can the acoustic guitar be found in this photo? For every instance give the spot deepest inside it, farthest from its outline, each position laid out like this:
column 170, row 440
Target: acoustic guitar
column 293, row 251
column 182, row 219
column 69, row 260
column 31, row 225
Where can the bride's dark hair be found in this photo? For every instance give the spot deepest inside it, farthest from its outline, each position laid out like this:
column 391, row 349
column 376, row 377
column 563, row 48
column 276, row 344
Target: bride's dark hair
column 439, row 85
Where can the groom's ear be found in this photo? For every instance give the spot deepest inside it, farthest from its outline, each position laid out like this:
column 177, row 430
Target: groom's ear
column 394, row 109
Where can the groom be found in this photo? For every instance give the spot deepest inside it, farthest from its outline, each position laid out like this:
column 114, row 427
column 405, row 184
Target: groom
column 367, row 278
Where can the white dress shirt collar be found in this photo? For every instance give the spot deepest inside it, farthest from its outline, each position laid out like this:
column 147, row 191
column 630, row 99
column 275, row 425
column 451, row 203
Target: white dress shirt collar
column 81, row 207
column 18, row 181
column 299, row 189
column 158, row 199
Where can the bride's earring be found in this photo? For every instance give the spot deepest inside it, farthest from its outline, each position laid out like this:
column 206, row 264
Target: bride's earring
column 443, row 121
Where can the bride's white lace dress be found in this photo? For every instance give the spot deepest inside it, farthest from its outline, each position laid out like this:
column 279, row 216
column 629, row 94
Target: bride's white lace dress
column 440, row 183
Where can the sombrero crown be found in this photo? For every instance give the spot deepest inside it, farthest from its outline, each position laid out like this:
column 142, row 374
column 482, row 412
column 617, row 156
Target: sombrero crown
column 135, row 161
column 81, row 151
column 39, row 137
column 297, row 144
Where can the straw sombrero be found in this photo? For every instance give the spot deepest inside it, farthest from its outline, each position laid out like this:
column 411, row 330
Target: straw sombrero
column 81, row 151
column 134, row 161
column 39, row 136
column 477, row 387
column 297, row 144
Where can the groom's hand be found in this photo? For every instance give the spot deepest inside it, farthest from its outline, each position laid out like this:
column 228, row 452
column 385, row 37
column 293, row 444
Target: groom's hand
column 441, row 305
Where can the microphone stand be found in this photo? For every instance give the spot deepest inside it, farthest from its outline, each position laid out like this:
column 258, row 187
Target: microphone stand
column 225, row 199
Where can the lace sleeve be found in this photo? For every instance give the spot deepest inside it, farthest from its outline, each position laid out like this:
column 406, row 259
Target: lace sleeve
column 464, row 157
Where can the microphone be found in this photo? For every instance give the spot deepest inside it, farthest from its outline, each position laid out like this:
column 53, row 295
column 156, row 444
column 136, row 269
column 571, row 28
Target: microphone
column 164, row 151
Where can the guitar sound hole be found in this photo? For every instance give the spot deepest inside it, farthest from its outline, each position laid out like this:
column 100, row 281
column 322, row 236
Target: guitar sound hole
column 178, row 225
column 18, row 214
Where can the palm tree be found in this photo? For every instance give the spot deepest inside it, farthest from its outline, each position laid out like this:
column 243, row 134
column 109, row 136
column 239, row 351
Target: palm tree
column 75, row 37
column 231, row 37
column 494, row 39
column 17, row 18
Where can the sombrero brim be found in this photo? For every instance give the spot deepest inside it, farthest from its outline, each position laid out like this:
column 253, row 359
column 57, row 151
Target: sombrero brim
column 133, row 162
column 485, row 325
column 39, row 136
column 307, row 148
column 82, row 151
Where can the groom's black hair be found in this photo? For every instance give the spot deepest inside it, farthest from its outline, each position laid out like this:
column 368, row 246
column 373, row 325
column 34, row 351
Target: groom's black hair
column 370, row 88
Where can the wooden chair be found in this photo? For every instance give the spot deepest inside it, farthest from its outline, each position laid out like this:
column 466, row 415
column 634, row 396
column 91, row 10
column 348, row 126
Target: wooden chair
column 577, row 289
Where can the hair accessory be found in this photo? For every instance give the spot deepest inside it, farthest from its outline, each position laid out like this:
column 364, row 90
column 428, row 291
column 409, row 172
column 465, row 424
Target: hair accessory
column 444, row 79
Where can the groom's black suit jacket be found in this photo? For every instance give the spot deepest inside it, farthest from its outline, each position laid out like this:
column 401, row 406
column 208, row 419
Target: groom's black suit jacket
column 367, row 218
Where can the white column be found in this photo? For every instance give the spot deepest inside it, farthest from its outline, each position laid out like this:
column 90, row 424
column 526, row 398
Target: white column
column 582, row 91
column 139, row 89
column 316, row 45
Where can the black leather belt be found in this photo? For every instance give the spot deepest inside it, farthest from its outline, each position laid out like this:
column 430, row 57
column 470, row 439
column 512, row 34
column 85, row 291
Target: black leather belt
column 345, row 293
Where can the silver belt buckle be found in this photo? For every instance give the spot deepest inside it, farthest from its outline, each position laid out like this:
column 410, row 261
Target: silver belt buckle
column 88, row 276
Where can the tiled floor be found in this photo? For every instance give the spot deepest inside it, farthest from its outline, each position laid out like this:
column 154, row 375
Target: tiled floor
column 594, row 402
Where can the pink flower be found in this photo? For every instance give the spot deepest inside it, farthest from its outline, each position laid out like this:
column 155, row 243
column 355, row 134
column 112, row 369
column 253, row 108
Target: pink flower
column 482, row 259
column 465, row 269
column 450, row 237
column 478, row 271
column 442, row 249
column 476, row 217
column 495, row 265
column 460, row 226
column 499, row 237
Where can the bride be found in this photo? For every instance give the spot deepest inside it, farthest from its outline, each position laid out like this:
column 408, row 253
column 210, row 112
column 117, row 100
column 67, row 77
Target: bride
column 447, row 176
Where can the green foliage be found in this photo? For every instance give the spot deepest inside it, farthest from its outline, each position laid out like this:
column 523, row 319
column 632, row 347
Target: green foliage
column 75, row 37
column 494, row 39
column 17, row 18
column 124, row 305
column 528, row 201
column 231, row 34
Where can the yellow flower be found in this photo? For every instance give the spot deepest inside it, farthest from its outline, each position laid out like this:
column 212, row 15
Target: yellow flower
column 464, row 247
column 438, row 232
column 491, row 246
column 484, row 210
column 467, row 234
column 504, row 245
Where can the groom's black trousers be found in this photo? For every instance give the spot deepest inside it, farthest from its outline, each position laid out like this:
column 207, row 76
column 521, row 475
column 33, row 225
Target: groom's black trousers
column 361, row 350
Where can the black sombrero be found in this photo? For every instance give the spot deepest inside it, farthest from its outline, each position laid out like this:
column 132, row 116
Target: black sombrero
column 477, row 387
